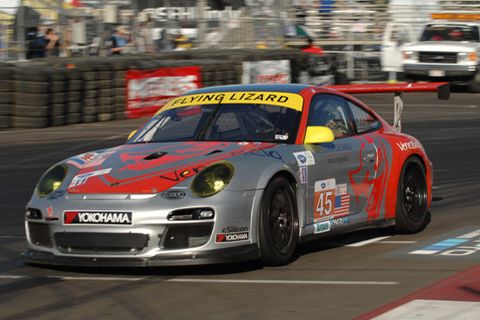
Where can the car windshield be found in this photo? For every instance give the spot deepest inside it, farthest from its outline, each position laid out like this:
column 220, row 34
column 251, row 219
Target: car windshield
column 221, row 122
column 449, row 32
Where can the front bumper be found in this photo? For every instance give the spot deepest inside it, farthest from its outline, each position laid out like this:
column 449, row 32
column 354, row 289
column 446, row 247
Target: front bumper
column 440, row 71
column 226, row 255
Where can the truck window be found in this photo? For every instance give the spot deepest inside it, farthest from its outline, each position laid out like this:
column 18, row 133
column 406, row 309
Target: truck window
column 450, row 32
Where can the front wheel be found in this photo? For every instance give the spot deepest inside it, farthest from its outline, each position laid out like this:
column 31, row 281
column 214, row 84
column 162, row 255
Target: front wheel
column 412, row 198
column 278, row 223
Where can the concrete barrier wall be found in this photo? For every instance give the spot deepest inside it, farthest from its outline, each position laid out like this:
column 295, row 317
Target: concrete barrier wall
column 62, row 91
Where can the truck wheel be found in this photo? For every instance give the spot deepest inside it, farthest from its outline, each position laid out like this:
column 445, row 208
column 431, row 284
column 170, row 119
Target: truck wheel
column 473, row 86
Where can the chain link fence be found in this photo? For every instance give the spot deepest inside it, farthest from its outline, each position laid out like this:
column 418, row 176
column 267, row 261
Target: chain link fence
column 351, row 30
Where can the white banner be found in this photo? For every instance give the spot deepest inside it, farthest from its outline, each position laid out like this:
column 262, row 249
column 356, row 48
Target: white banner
column 269, row 71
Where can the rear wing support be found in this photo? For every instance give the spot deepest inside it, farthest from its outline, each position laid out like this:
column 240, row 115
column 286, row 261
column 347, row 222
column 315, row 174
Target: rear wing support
column 442, row 88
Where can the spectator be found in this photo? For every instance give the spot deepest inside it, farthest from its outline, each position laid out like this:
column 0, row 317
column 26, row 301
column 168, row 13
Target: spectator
column 44, row 43
column 182, row 42
column 312, row 48
column 117, row 42
column 214, row 38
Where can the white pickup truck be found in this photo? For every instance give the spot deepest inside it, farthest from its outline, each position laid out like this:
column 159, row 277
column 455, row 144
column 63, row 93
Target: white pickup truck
column 448, row 50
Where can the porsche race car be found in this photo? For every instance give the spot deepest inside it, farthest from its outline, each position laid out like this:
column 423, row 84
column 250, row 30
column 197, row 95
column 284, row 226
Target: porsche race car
column 233, row 173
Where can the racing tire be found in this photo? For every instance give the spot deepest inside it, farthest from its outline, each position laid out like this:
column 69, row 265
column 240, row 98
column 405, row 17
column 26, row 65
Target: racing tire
column 278, row 223
column 412, row 198
column 29, row 122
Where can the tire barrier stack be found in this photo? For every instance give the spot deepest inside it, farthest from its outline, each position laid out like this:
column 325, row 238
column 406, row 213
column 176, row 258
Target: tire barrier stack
column 6, row 95
column 32, row 105
column 62, row 91
column 74, row 95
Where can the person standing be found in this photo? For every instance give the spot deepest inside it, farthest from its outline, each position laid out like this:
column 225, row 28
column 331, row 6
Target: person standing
column 117, row 42
column 312, row 48
column 44, row 43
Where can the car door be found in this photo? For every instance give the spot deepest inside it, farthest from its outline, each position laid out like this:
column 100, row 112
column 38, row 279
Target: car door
column 340, row 177
column 395, row 35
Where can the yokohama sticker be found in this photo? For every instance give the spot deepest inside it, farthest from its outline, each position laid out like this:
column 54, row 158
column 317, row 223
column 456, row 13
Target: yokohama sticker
column 231, row 237
column 97, row 217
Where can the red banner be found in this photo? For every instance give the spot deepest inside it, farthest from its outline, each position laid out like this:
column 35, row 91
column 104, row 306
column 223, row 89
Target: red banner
column 148, row 91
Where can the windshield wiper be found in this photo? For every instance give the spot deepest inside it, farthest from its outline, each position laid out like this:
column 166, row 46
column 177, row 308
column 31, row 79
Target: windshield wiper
column 201, row 135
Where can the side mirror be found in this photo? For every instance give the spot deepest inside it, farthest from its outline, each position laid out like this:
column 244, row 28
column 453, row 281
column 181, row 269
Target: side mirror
column 319, row 135
column 131, row 134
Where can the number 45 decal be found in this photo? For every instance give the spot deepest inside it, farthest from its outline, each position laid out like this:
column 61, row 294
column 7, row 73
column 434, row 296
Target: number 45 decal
column 324, row 198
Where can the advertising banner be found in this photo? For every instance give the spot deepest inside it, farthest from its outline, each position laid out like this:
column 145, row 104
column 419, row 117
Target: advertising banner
column 268, row 71
column 148, row 91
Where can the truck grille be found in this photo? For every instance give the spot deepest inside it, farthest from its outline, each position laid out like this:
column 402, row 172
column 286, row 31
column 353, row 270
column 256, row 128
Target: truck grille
column 438, row 57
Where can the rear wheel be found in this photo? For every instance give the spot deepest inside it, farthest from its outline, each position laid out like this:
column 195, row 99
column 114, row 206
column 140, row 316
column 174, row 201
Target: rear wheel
column 412, row 198
column 278, row 225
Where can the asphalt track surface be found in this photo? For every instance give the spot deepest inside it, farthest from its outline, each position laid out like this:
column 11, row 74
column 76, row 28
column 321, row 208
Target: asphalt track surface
column 362, row 275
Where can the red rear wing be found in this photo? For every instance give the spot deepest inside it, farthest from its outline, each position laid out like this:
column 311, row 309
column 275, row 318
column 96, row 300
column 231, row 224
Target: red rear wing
column 442, row 88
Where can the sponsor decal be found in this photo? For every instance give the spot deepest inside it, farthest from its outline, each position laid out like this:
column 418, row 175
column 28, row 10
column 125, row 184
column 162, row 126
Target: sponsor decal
column 97, row 217
column 281, row 137
column 321, row 227
column 338, row 160
column 50, row 214
column 234, row 229
column 303, row 174
column 331, row 200
column 172, row 194
column 231, row 237
column 80, row 160
column 56, row 194
column 290, row 100
column 411, row 145
column 327, row 148
column 304, row 158
column 82, row 178
column 339, row 221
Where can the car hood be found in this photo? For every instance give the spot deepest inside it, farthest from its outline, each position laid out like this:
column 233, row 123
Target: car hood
column 149, row 168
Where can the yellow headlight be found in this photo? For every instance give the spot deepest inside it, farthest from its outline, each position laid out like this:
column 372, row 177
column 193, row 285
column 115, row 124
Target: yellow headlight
column 212, row 179
column 51, row 180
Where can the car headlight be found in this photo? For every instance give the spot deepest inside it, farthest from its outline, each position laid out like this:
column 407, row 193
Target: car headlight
column 212, row 179
column 466, row 57
column 410, row 55
column 51, row 180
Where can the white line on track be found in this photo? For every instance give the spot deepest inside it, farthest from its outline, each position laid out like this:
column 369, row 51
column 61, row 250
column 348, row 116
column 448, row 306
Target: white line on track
column 397, row 242
column 187, row 280
column 365, row 242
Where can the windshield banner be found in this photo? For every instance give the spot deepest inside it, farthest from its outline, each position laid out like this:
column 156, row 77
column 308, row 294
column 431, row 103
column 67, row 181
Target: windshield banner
column 148, row 91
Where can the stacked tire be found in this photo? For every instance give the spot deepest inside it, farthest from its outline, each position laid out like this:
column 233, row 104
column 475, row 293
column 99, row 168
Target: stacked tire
column 31, row 107
column 90, row 92
column 6, row 95
column 105, row 104
column 74, row 96
column 119, row 68
column 58, row 95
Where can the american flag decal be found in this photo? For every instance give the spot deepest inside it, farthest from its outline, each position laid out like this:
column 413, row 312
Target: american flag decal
column 342, row 205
